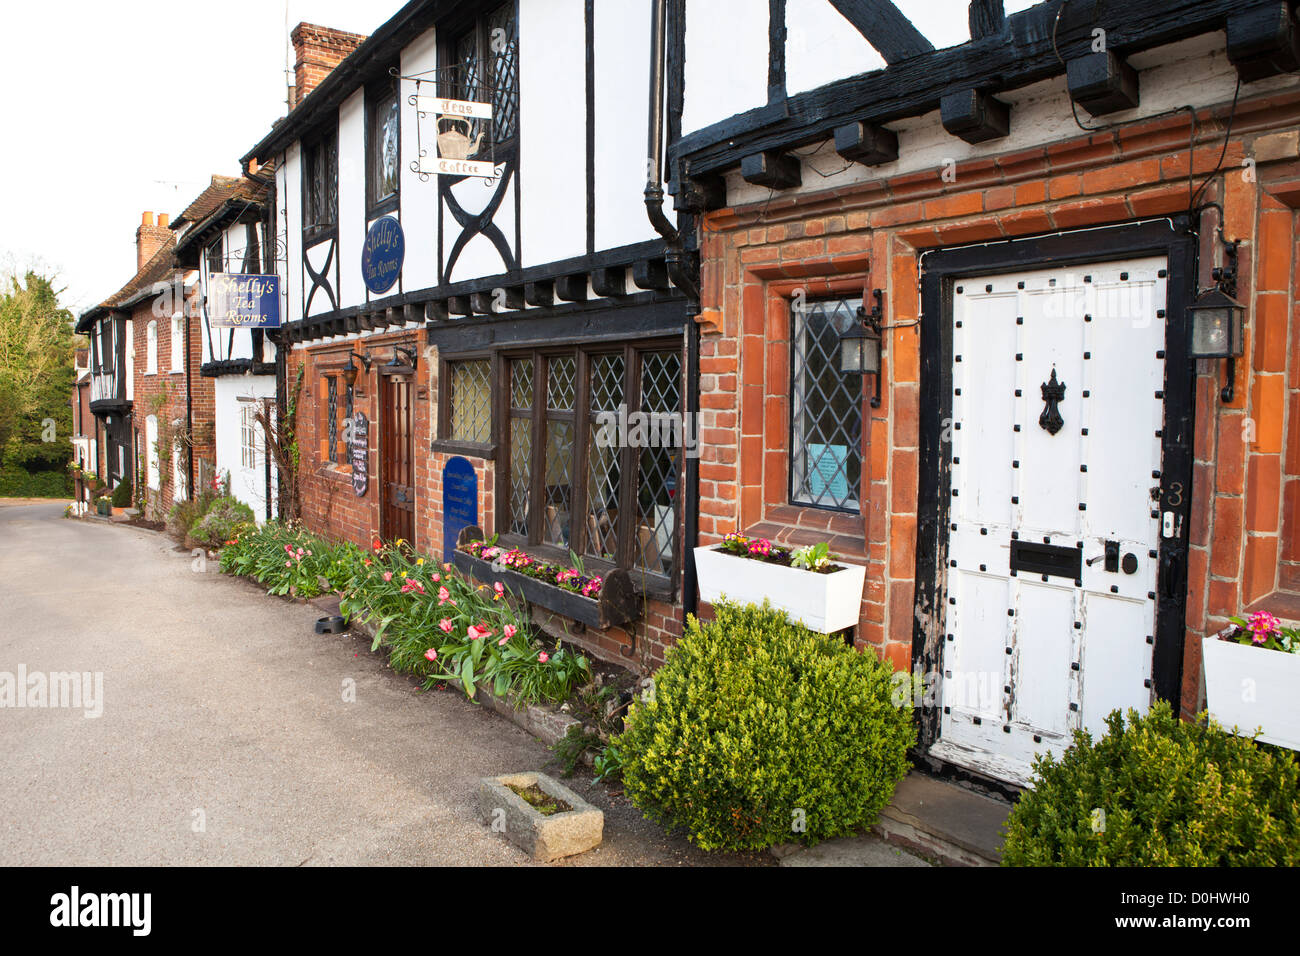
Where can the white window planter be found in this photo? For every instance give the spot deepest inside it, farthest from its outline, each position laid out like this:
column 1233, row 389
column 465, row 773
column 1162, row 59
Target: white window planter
column 1251, row 687
column 823, row 602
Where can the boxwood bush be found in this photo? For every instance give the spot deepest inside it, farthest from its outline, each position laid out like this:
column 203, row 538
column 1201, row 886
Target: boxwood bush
column 757, row 731
column 222, row 521
column 1159, row 792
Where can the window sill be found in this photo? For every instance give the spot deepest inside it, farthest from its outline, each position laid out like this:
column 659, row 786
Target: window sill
column 486, row 452
column 792, row 525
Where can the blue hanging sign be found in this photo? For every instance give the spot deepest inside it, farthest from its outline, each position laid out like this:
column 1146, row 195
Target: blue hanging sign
column 381, row 258
column 238, row 301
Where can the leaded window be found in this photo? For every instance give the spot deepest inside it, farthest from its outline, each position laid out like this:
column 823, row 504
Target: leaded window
column 596, row 441
column 332, row 416
column 320, row 186
column 382, row 146
column 470, row 401
column 485, row 63
column 826, row 424
column 213, row 254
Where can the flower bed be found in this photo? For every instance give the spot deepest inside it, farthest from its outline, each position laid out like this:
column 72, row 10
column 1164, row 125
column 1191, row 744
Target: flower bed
column 592, row 600
column 436, row 624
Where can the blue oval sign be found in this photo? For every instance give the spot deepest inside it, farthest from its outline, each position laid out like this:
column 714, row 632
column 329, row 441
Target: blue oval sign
column 381, row 259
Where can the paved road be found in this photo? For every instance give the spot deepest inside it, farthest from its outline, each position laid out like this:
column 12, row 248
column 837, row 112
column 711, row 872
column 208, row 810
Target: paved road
column 222, row 706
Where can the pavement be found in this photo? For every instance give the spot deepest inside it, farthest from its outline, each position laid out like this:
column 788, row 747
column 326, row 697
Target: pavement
column 232, row 734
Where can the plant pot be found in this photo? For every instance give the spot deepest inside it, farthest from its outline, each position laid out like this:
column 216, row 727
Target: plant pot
column 543, row 837
column 1250, row 688
column 822, row 602
column 103, row 509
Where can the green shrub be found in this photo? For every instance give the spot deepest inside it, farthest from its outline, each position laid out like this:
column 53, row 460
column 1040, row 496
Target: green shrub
column 122, row 495
column 224, row 519
column 1159, row 792
column 18, row 482
column 757, row 731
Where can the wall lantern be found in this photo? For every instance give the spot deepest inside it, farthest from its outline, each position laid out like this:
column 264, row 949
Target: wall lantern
column 1216, row 321
column 860, row 345
column 350, row 370
column 408, row 353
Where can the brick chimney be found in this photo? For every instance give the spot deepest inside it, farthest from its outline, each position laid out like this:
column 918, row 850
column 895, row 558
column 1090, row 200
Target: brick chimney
column 149, row 238
column 317, row 50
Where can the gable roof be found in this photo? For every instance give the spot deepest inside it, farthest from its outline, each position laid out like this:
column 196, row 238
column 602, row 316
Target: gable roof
column 225, row 195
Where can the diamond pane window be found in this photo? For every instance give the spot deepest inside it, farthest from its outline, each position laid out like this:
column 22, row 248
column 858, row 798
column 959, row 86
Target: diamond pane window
column 332, row 415
column 826, row 424
column 383, row 172
column 503, row 61
column 661, row 386
column 471, row 402
column 521, row 445
column 604, row 468
column 561, row 376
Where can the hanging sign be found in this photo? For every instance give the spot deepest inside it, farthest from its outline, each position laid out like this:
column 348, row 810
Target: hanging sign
column 238, row 301
column 456, row 138
column 382, row 255
column 359, row 453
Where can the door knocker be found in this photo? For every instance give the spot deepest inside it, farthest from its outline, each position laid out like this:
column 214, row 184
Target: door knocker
column 1053, row 392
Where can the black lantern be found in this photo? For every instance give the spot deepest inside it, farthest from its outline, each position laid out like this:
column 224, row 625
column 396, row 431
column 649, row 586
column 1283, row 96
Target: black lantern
column 860, row 345
column 1216, row 321
column 350, row 370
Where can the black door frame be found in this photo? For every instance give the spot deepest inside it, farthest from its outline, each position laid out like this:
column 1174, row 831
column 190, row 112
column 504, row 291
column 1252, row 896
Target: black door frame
column 940, row 270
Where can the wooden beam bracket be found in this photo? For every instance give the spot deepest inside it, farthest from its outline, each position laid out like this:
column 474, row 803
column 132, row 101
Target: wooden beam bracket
column 1263, row 42
column 1102, row 83
column 771, row 168
column 975, row 116
column 866, row 143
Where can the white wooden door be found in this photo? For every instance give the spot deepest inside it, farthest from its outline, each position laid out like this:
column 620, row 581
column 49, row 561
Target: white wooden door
column 1043, row 634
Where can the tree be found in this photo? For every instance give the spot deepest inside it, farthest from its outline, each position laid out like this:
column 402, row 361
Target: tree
column 37, row 348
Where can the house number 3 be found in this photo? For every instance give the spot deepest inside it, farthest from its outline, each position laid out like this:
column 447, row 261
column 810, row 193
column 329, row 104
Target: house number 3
column 1175, row 497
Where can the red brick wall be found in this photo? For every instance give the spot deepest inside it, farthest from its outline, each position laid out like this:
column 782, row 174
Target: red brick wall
column 164, row 394
column 317, row 50
column 1244, row 496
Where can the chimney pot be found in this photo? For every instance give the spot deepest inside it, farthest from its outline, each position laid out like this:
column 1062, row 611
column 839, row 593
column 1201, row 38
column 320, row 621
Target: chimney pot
column 164, row 219
column 146, row 219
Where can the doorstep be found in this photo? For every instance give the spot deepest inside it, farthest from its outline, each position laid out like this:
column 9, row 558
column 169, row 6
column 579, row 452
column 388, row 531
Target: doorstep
column 945, row 821
column 929, row 821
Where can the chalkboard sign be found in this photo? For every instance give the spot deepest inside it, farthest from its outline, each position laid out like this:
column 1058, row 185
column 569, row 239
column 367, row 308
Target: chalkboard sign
column 360, row 453
column 382, row 255
column 459, row 502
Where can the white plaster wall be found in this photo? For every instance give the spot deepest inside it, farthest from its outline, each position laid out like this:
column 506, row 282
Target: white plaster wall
column 726, row 60
column 418, row 199
column 352, row 200
column 248, row 485
column 821, row 46
column 552, row 124
column 289, row 216
column 622, row 79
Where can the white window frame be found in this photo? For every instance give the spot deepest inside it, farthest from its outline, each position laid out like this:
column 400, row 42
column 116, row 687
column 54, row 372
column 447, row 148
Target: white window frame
column 178, row 344
column 151, row 449
column 248, row 435
column 151, row 348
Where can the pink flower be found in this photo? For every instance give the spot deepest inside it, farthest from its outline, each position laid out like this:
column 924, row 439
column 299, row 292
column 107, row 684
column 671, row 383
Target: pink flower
column 436, row 578
column 475, row 631
column 288, row 564
column 412, row 585
column 288, row 549
column 309, row 552
column 446, row 625
column 509, row 631
column 498, row 588
column 543, row 657
column 431, row 654
column 388, row 575
column 443, row 595
column 502, row 642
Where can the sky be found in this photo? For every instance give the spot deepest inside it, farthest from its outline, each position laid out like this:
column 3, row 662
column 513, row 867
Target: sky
column 111, row 108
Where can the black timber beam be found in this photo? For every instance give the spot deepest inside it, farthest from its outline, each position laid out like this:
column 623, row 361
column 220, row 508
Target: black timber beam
column 866, row 143
column 986, row 18
column 485, row 303
column 772, row 169
column 435, row 310
column 975, row 116
column 701, row 194
column 1263, row 42
column 1102, row 83
column 885, row 28
column 539, row 293
column 1021, row 55
column 459, row 305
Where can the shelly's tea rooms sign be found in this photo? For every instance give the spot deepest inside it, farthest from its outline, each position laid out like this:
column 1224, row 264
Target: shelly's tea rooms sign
column 243, row 301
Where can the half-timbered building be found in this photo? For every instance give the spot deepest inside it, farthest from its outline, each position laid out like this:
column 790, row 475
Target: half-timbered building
column 470, row 278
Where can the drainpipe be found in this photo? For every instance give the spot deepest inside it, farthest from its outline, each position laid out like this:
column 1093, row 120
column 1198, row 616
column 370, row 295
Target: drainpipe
column 681, row 269
column 189, row 398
